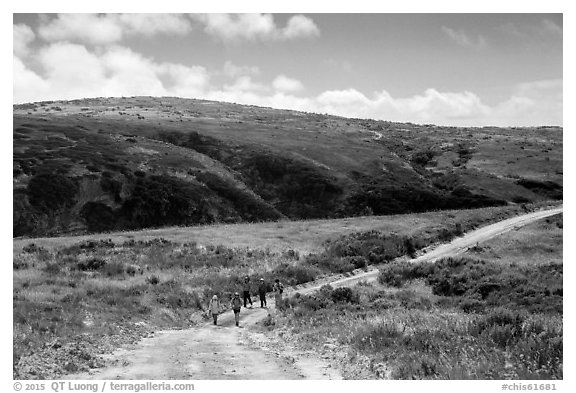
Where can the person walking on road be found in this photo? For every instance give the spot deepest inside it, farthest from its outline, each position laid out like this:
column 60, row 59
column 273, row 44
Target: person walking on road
column 262, row 293
column 246, row 291
column 214, row 308
column 236, row 305
column 278, row 288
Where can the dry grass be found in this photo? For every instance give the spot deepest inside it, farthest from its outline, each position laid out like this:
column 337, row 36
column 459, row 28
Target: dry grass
column 412, row 334
column 303, row 236
column 75, row 292
column 535, row 244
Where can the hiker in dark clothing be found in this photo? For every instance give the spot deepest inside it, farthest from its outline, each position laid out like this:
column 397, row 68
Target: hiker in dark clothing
column 236, row 304
column 246, row 291
column 278, row 288
column 262, row 293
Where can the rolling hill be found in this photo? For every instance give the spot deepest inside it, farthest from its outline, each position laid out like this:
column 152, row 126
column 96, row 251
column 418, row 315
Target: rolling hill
column 103, row 164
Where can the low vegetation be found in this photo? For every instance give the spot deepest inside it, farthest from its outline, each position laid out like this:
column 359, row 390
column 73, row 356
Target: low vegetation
column 459, row 319
column 74, row 302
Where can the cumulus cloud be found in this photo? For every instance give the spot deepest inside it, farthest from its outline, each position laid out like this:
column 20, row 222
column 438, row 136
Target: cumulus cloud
column 24, row 81
column 110, row 28
column 150, row 24
column 116, row 71
column 463, row 39
column 232, row 70
column 285, row 84
column 300, row 26
column 251, row 27
column 536, row 103
column 22, row 37
column 431, row 106
column 245, row 84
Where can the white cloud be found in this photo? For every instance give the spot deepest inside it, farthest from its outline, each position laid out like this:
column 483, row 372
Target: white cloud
column 463, row 39
column 116, row 71
column 89, row 28
column 432, row 106
column 300, row 26
column 22, row 37
column 184, row 81
column 232, row 70
column 285, row 84
column 110, row 28
column 119, row 71
column 25, row 81
column 239, row 27
column 150, row 24
column 245, row 84
column 534, row 103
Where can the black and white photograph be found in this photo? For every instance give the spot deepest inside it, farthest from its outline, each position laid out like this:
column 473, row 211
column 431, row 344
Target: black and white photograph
column 287, row 196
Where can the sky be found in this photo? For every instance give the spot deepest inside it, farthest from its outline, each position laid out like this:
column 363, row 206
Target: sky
column 446, row 69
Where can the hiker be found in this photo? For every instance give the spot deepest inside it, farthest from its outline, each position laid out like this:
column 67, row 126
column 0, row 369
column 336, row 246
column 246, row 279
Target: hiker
column 246, row 291
column 278, row 289
column 262, row 293
column 214, row 308
column 236, row 304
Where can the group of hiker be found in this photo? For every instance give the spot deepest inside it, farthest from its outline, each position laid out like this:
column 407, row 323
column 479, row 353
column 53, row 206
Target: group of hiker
column 215, row 306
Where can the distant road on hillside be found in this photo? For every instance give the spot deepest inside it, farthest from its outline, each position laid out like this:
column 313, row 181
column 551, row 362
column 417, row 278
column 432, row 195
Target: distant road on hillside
column 455, row 247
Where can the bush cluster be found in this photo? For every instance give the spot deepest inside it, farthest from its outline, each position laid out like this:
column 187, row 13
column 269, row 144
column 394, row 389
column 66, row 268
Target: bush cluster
column 477, row 284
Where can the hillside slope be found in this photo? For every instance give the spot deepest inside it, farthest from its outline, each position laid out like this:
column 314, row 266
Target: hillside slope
column 105, row 164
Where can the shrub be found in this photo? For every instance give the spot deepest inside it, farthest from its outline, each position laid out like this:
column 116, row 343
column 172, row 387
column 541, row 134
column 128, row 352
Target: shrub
column 345, row 294
column 295, row 274
column 92, row 264
column 423, row 157
column 329, row 264
column 52, row 268
column 397, row 273
column 113, row 269
column 359, row 262
column 153, row 279
column 51, row 192
column 98, row 216
column 472, row 306
column 546, row 188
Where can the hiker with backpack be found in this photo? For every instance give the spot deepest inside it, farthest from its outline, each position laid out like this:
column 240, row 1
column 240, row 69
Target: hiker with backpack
column 236, row 305
column 214, row 308
column 278, row 288
column 262, row 293
column 246, row 291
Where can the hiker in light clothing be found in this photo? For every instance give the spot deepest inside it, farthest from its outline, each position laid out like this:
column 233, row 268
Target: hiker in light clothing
column 236, row 305
column 278, row 289
column 262, row 293
column 214, row 308
column 246, row 291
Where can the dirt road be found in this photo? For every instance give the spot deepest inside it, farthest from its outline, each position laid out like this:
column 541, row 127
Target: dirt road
column 228, row 352
column 209, row 352
column 455, row 247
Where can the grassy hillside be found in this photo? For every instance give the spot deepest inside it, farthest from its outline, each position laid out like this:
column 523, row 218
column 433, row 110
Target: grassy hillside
column 108, row 164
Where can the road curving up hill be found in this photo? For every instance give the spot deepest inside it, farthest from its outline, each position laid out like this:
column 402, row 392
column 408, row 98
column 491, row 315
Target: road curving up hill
column 227, row 352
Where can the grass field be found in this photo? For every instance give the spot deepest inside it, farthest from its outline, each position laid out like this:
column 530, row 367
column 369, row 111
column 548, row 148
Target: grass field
column 539, row 243
column 303, row 236
column 494, row 313
column 76, row 298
